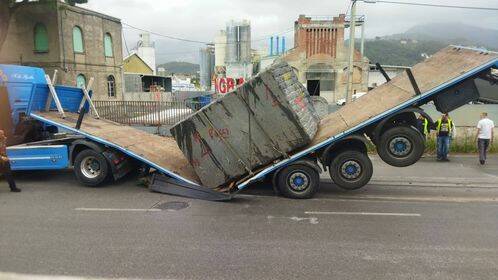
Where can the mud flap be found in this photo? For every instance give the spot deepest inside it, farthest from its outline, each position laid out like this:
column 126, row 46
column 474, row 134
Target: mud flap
column 167, row 185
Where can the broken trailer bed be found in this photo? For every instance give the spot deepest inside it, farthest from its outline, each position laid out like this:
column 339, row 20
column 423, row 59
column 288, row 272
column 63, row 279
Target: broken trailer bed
column 447, row 68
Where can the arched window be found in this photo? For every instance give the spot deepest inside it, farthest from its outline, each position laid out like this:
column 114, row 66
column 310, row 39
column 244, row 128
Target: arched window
column 111, row 86
column 81, row 81
column 41, row 38
column 108, row 45
column 78, row 44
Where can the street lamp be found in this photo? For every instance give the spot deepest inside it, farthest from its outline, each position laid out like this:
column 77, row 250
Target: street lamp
column 352, row 27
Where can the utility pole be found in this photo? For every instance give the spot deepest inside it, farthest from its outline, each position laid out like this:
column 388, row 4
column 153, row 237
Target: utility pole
column 362, row 49
column 352, row 27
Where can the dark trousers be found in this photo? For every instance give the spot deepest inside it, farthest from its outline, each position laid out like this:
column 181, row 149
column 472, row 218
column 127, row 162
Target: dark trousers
column 483, row 145
column 7, row 174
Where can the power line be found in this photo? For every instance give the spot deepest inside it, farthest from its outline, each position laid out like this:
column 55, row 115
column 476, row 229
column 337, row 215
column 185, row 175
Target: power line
column 198, row 41
column 166, row 36
column 430, row 5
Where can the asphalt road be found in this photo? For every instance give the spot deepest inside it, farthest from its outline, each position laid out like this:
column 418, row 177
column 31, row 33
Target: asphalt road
column 430, row 221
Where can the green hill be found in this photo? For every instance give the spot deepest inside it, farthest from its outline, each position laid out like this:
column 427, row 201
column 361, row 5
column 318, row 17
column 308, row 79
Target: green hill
column 180, row 68
column 394, row 52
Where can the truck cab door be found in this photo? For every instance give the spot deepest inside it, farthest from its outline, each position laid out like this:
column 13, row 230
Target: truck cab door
column 38, row 157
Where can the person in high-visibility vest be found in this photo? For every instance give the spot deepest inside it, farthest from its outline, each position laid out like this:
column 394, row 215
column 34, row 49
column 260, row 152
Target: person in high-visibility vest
column 423, row 125
column 444, row 129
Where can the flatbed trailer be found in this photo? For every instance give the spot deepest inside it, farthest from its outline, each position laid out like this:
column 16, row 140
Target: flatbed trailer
column 339, row 146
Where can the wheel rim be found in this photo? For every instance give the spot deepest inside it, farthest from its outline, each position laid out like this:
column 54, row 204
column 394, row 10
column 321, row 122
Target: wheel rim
column 400, row 146
column 298, row 181
column 90, row 167
column 351, row 170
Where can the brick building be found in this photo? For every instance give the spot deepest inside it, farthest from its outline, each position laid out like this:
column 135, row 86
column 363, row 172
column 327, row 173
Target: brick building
column 78, row 42
column 321, row 58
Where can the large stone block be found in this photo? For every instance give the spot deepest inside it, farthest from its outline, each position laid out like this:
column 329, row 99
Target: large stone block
column 258, row 123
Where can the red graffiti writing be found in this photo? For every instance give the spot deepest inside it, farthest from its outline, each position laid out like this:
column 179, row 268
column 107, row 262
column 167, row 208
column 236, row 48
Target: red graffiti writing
column 205, row 150
column 226, row 85
column 300, row 102
column 221, row 133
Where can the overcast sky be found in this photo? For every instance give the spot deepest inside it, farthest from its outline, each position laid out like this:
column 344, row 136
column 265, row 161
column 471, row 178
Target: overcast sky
column 201, row 19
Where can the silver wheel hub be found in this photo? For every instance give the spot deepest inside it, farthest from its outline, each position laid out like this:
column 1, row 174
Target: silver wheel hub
column 90, row 167
column 298, row 181
column 351, row 169
column 400, row 146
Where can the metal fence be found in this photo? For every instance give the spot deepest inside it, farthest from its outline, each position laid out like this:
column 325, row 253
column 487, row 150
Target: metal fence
column 147, row 113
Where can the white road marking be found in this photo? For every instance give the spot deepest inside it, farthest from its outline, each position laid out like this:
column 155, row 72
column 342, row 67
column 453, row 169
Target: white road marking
column 311, row 220
column 364, row 214
column 116, row 210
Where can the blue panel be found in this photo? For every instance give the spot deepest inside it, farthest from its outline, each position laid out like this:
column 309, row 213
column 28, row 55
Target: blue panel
column 70, row 98
column 28, row 91
column 22, row 74
column 38, row 157
column 19, row 81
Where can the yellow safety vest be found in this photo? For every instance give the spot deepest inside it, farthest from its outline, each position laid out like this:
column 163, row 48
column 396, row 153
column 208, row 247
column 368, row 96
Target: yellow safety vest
column 426, row 126
column 440, row 122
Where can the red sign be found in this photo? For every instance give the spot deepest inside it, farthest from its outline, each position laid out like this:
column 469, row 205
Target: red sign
column 226, row 85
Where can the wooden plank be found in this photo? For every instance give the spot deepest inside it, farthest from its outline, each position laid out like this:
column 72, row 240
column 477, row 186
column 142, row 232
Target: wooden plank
column 162, row 151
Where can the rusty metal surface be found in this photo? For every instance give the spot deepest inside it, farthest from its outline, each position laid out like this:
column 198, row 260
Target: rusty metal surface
column 262, row 121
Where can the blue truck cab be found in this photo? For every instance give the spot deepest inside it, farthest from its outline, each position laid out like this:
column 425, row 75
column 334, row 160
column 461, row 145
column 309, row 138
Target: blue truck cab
column 37, row 146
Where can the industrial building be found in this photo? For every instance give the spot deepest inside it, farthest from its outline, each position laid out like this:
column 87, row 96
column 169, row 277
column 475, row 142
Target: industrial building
column 233, row 56
column 79, row 43
column 320, row 57
column 207, row 63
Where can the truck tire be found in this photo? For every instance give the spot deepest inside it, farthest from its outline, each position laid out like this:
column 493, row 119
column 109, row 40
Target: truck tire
column 91, row 168
column 351, row 170
column 298, row 181
column 401, row 146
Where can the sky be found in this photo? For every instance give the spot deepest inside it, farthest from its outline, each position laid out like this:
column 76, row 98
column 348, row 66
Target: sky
column 200, row 20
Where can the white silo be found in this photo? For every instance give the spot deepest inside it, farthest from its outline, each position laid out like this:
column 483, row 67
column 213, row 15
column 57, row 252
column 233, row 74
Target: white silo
column 207, row 61
column 146, row 51
column 220, row 47
column 238, row 42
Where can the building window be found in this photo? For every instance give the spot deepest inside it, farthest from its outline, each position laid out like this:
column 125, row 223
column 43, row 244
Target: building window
column 78, row 45
column 81, row 81
column 41, row 38
column 111, row 86
column 108, row 45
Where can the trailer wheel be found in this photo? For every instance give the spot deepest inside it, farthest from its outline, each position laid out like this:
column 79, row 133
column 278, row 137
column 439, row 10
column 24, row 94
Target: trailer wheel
column 351, row 170
column 401, row 146
column 91, row 168
column 298, row 181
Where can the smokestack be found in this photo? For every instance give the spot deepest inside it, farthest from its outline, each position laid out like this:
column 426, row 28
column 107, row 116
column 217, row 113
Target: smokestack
column 278, row 45
column 271, row 46
column 283, row 45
